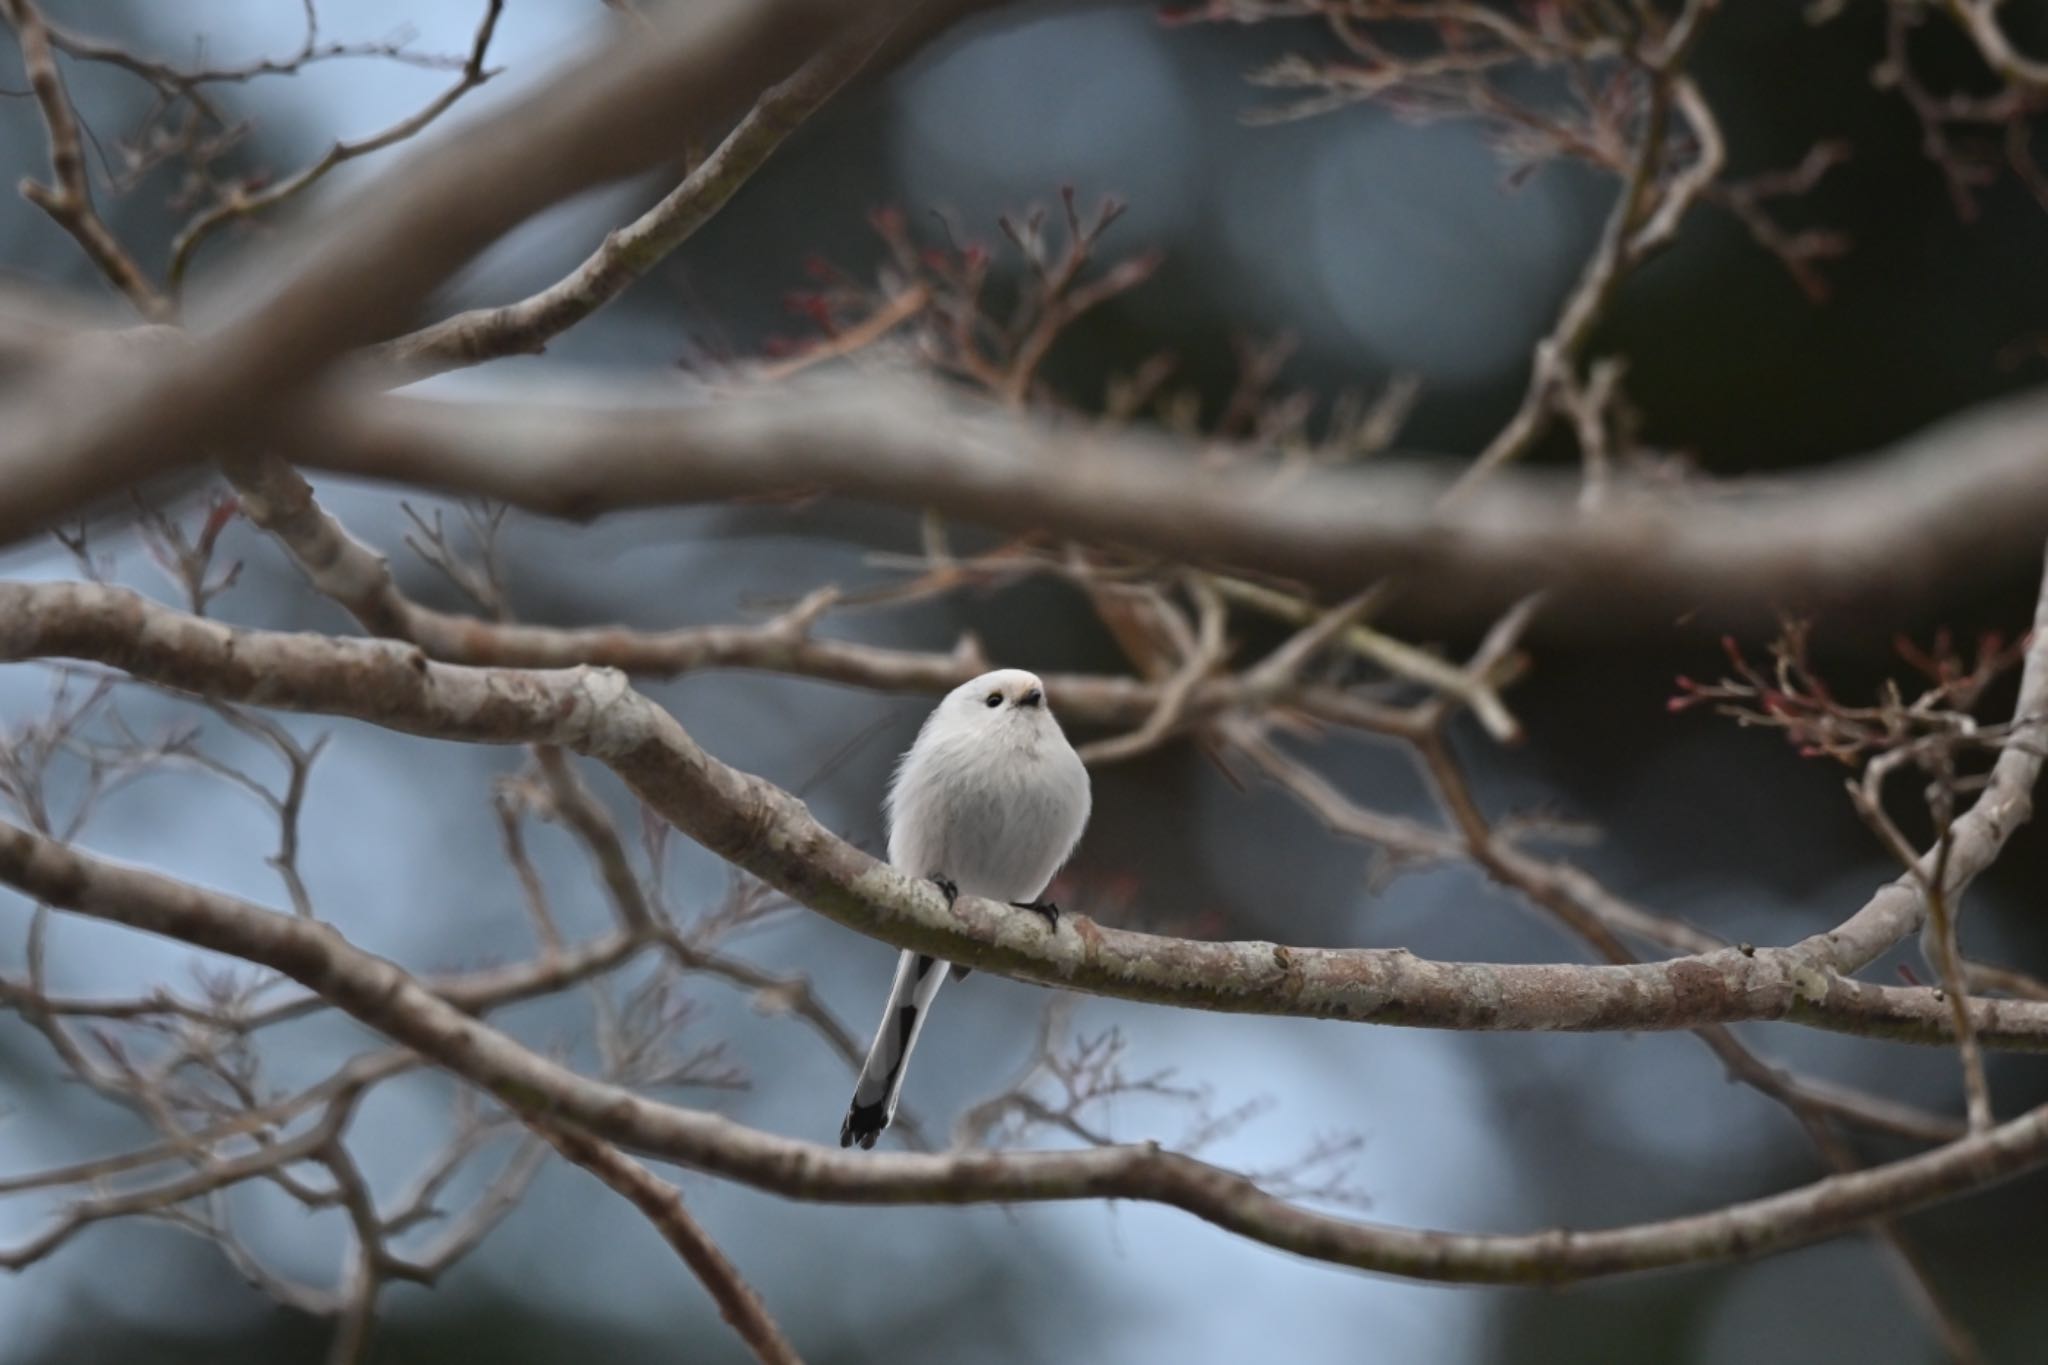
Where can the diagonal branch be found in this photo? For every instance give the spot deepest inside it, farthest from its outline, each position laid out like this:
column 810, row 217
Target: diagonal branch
column 68, row 200
column 526, row 327
column 242, row 203
column 768, row 832
column 1976, row 838
column 662, row 1203
column 629, row 105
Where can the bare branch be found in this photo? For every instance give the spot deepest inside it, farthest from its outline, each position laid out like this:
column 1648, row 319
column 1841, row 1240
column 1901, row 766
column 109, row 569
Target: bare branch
column 731, row 813
column 97, row 425
column 660, row 1201
column 242, row 204
column 525, row 327
column 69, row 199
column 385, row 997
column 1946, row 507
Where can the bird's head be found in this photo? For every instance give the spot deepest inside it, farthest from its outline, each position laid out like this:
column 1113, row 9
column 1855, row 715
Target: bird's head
column 1007, row 701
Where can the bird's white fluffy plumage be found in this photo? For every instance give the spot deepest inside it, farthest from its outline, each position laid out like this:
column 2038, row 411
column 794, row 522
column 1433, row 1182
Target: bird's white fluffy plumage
column 991, row 799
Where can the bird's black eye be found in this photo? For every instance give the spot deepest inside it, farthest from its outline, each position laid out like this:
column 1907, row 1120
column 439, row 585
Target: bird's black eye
column 995, row 699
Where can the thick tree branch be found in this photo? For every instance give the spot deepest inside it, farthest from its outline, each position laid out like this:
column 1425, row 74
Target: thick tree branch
column 93, row 426
column 1954, row 504
column 771, row 834
column 386, row 998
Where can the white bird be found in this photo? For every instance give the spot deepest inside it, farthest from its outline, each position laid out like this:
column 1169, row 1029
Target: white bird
column 989, row 800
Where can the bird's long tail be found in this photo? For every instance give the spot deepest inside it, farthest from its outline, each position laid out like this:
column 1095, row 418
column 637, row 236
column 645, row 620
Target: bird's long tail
column 918, row 979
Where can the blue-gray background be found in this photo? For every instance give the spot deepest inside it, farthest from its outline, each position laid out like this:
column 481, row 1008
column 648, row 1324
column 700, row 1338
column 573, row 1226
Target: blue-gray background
column 1383, row 247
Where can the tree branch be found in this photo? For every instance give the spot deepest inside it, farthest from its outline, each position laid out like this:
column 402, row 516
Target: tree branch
column 94, row 425
column 771, row 834
column 386, row 998
column 68, row 200
column 662, row 1203
column 1951, row 505
column 526, row 327
column 243, row 203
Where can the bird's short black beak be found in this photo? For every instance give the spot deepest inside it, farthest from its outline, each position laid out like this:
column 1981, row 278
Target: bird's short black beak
column 1031, row 698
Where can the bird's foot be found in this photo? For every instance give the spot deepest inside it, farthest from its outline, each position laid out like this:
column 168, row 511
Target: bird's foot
column 947, row 889
column 1045, row 908
column 863, row 1124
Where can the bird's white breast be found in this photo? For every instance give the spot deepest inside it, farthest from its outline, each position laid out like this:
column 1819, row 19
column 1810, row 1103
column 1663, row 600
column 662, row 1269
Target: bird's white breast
column 994, row 813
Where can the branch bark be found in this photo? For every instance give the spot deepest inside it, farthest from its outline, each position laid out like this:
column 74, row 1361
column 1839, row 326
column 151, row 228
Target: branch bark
column 386, row 998
column 68, row 198
column 94, row 426
column 526, row 327
column 768, row 832
column 663, row 1206
column 1951, row 505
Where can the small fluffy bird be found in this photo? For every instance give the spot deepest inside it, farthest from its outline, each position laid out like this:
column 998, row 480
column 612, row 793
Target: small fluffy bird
column 989, row 801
